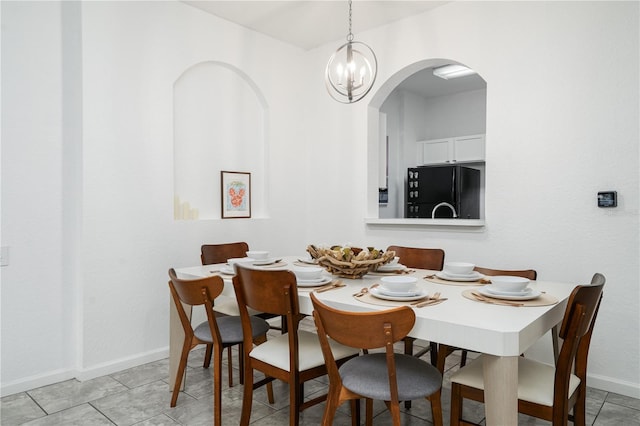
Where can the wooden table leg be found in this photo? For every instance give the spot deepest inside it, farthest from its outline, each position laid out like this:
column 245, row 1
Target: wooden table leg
column 176, row 339
column 500, row 389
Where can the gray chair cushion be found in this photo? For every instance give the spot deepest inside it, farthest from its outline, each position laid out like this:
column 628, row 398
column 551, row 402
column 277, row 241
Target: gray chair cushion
column 367, row 375
column 231, row 329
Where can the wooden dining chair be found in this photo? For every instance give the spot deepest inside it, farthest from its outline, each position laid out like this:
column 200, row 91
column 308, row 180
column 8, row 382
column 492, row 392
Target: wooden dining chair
column 211, row 254
column 217, row 332
column 445, row 350
column 294, row 357
column 387, row 376
column 420, row 258
column 546, row 392
column 220, row 253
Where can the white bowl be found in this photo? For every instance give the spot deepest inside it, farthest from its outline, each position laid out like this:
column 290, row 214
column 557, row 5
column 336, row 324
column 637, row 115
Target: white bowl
column 258, row 255
column 508, row 283
column 399, row 284
column 459, row 268
column 239, row 260
column 308, row 273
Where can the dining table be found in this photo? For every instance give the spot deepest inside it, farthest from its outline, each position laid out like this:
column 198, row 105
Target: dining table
column 501, row 332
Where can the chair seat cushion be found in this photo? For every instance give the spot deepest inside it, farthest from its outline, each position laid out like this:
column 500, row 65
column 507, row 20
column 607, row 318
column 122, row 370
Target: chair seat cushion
column 368, row 376
column 231, row 329
column 230, row 307
column 535, row 380
column 276, row 351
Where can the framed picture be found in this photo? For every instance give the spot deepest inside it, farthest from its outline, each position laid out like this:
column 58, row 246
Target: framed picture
column 236, row 194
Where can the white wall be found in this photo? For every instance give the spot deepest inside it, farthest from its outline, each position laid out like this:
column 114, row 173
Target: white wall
column 110, row 310
column 129, row 72
column 559, row 127
column 37, row 303
column 459, row 114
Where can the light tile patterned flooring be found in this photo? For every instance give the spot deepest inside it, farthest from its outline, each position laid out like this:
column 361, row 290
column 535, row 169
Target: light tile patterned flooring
column 140, row 396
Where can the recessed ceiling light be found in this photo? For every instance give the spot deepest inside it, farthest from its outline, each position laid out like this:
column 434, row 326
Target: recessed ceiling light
column 452, row 71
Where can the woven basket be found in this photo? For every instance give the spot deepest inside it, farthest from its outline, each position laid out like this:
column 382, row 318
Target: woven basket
column 354, row 264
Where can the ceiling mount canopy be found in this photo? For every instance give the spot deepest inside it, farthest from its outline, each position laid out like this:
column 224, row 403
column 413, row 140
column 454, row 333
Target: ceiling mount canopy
column 351, row 70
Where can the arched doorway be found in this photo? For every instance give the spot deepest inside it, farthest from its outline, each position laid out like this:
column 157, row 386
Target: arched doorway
column 416, row 119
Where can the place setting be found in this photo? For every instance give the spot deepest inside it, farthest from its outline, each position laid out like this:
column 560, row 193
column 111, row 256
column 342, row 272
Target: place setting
column 510, row 291
column 261, row 258
column 306, row 261
column 393, row 267
column 258, row 258
column 397, row 291
column 458, row 273
column 312, row 278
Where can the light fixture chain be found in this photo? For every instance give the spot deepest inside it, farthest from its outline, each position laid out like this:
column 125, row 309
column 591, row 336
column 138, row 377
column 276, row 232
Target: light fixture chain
column 350, row 35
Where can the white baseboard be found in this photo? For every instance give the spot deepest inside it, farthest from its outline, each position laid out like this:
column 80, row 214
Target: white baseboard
column 121, row 364
column 37, row 381
column 612, row 385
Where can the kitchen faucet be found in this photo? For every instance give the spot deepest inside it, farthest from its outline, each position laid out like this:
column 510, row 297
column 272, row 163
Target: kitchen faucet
column 433, row 212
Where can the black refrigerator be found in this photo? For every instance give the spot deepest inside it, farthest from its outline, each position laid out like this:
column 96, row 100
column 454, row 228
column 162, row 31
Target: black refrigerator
column 429, row 186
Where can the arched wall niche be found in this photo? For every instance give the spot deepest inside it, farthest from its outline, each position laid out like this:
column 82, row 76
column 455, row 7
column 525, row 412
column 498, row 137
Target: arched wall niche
column 403, row 111
column 219, row 115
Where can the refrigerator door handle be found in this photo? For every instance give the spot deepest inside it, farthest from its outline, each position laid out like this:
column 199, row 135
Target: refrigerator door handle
column 453, row 185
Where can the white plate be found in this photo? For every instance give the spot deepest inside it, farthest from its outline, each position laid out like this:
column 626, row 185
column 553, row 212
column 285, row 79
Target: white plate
column 491, row 289
column 375, row 292
column 386, row 292
column 391, row 268
column 228, row 270
column 264, row 261
column 532, row 295
column 314, row 283
column 475, row 276
column 308, row 260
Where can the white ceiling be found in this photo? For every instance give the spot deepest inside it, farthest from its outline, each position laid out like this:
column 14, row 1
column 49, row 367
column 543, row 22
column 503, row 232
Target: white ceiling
column 309, row 24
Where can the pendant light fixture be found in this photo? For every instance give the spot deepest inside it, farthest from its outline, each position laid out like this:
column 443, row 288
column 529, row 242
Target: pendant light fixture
column 351, row 70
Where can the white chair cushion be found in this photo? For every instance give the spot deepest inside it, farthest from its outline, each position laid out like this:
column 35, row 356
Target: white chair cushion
column 230, row 308
column 276, row 351
column 535, row 380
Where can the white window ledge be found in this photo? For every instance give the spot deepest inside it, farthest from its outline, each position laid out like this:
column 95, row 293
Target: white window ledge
column 464, row 223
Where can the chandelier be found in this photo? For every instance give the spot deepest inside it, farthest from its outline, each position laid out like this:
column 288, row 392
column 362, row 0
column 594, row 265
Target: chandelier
column 351, row 70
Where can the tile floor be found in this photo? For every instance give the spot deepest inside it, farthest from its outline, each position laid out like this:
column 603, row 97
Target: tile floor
column 140, row 396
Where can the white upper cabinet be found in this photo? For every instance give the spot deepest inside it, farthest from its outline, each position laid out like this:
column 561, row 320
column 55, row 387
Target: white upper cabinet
column 451, row 150
column 435, row 151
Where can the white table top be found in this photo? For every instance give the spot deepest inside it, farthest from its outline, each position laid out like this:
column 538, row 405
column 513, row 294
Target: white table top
column 491, row 329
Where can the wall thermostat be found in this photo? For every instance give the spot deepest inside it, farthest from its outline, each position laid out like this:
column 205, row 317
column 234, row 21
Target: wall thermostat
column 607, row 199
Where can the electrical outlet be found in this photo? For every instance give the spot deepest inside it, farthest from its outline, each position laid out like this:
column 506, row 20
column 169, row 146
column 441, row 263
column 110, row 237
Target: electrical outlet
column 4, row 256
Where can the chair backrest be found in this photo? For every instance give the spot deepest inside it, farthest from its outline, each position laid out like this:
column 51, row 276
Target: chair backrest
column 366, row 330
column 195, row 292
column 270, row 292
column 587, row 296
column 421, row 258
column 576, row 330
column 525, row 273
column 219, row 253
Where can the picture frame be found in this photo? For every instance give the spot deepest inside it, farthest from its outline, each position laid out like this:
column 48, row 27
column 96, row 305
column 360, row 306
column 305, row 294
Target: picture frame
column 235, row 190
